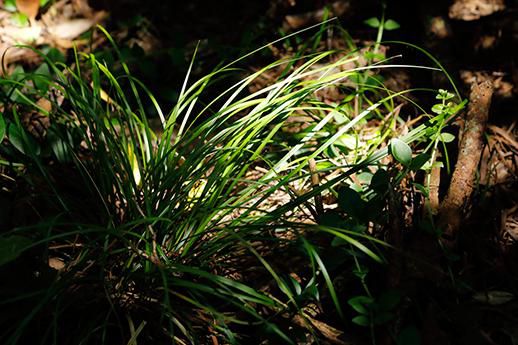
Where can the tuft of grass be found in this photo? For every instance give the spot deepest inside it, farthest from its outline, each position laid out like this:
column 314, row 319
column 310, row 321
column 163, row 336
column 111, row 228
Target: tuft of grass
column 151, row 225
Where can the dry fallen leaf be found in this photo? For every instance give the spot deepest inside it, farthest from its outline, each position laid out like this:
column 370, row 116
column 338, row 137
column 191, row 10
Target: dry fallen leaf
column 56, row 263
column 494, row 297
column 70, row 29
column 18, row 35
column 28, row 7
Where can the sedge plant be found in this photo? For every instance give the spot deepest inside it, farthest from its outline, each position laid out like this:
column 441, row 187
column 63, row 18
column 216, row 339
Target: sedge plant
column 155, row 229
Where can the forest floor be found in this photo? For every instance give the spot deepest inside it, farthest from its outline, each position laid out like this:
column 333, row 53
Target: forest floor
column 468, row 296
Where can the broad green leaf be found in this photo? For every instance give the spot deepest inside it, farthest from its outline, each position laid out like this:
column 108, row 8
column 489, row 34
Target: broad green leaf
column 11, row 247
column 447, row 137
column 391, row 25
column 373, row 22
column 361, row 304
column 401, row 151
column 361, row 320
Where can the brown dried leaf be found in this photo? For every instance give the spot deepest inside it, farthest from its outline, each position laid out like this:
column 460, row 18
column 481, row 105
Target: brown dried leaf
column 28, row 7
column 70, row 29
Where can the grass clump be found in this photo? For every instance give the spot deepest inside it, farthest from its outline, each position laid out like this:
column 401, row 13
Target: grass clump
column 134, row 233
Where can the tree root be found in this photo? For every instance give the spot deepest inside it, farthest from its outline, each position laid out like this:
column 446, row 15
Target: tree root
column 453, row 207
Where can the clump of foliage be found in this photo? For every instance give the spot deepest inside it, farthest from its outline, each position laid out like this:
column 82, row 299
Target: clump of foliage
column 163, row 233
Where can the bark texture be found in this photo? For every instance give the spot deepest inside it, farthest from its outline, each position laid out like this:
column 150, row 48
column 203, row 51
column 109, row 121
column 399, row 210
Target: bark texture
column 459, row 193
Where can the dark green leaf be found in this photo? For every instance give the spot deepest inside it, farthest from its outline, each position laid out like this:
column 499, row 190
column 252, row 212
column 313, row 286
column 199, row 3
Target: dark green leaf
column 419, row 160
column 401, row 151
column 361, row 304
column 361, row 320
column 11, row 247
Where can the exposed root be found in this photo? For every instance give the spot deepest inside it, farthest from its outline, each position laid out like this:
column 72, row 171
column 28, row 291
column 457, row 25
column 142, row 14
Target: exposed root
column 452, row 208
